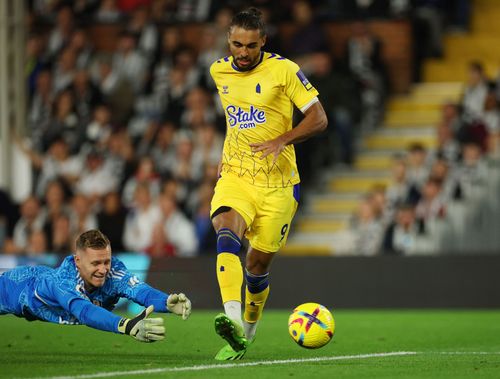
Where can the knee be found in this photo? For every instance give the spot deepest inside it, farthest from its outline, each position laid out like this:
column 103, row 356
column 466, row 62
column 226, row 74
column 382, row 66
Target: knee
column 257, row 267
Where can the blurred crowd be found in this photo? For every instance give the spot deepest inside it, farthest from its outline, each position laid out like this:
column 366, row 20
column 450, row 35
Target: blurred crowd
column 426, row 181
column 129, row 140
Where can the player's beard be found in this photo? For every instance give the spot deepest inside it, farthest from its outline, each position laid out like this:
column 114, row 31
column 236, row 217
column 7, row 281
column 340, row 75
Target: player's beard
column 251, row 63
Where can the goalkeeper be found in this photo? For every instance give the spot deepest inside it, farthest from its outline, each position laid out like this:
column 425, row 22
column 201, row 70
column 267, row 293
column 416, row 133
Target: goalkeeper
column 84, row 289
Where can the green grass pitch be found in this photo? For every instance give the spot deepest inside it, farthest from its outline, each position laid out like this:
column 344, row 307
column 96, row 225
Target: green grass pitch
column 440, row 344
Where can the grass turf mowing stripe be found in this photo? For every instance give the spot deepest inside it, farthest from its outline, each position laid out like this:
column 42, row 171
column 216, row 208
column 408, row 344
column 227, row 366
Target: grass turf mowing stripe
column 231, row 365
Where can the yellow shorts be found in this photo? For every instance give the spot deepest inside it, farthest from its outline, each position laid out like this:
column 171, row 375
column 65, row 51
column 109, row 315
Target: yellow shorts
column 267, row 212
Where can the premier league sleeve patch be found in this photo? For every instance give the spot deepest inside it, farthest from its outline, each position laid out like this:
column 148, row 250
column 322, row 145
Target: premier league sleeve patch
column 304, row 80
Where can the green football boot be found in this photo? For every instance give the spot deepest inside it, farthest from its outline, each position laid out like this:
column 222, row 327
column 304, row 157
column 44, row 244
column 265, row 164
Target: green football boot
column 232, row 332
column 228, row 354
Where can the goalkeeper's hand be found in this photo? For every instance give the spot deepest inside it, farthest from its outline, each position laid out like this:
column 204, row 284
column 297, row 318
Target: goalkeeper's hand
column 142, row 328
column 179, row 304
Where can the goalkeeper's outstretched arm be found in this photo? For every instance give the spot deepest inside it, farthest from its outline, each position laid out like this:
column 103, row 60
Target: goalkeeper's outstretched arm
column 130, row 287
column 140, row 327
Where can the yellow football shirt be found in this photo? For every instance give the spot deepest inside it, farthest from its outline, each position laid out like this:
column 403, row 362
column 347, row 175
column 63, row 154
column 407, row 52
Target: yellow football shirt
column 258, row 105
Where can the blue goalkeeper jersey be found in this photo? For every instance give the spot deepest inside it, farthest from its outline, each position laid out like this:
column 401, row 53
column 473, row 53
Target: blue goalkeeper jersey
column 58, row 295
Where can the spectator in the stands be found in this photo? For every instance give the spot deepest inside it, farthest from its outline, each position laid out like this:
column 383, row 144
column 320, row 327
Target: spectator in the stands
column 207, row 145
column 170, row 44
column 146, row 31
column 32, row 219
column 99, row 129
column 441, row 171
column 177, row 90
column 429, row 21
column 8, row 216
column 475, row 93
column 160, row 245
column 398, row 191
column 65, row 70
column 417, row 170
column 37, row 244
column 170, row 187
column 492, row 122
column 447, row 146
column 145, row 174
column 82, row 216
column 158, row 142
column 378, row 199
column 65, row 122
column 400, row 237
column 200, row 212
column 86, row 96
column 141, row 220
column 108, row 11
column 62, row 31
column 189, row 11
column 432, row 204
column 368, row 229
column 364, row 59
column 34, row 61
column 111, row 220
column 56, row 163
column 55, row 206
column 129, row 63
column 450, row 116
column 208, row 54
column 198, row 109
column 119, row 155
column 178, row 230
column 155, row 99
column 117, row 92
column 341, row 98
column 162, row 11
column 188, row 167
column 40, row 110
column 222, row 20
column 472, row 171
column 364, row 9
column 309, row 36
column 60, row 238
column 97, row 179
column 82, row 48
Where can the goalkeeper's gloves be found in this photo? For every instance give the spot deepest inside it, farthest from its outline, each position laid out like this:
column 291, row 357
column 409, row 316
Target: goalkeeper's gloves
column 142, row 328
column 179, row 304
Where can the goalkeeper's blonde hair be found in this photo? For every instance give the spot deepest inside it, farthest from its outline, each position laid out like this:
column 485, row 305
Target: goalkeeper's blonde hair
column 93, row 239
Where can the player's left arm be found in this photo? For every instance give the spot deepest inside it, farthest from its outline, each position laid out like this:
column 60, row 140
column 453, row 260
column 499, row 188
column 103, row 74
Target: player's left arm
column 314, row 122
column 129, row 286
column 298, row 89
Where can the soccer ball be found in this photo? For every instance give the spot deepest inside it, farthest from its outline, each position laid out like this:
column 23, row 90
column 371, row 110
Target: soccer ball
column 311, row 325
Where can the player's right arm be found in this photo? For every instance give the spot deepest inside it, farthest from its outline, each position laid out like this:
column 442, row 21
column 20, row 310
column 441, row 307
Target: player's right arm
column 54, row 294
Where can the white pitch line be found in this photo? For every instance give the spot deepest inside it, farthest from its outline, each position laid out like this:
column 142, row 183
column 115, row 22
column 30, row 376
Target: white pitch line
column 267, row 363
column 232, row 365
column 463, row 352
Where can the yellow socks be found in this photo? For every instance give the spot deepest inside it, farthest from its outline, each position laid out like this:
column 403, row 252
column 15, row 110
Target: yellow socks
column 254, row 304
column 229, row 276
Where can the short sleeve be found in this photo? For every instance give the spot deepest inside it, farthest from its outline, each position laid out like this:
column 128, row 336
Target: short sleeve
column 296, row 86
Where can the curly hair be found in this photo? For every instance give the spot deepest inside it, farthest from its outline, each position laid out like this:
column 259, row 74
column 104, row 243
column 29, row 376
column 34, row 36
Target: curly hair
column 249, row 19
